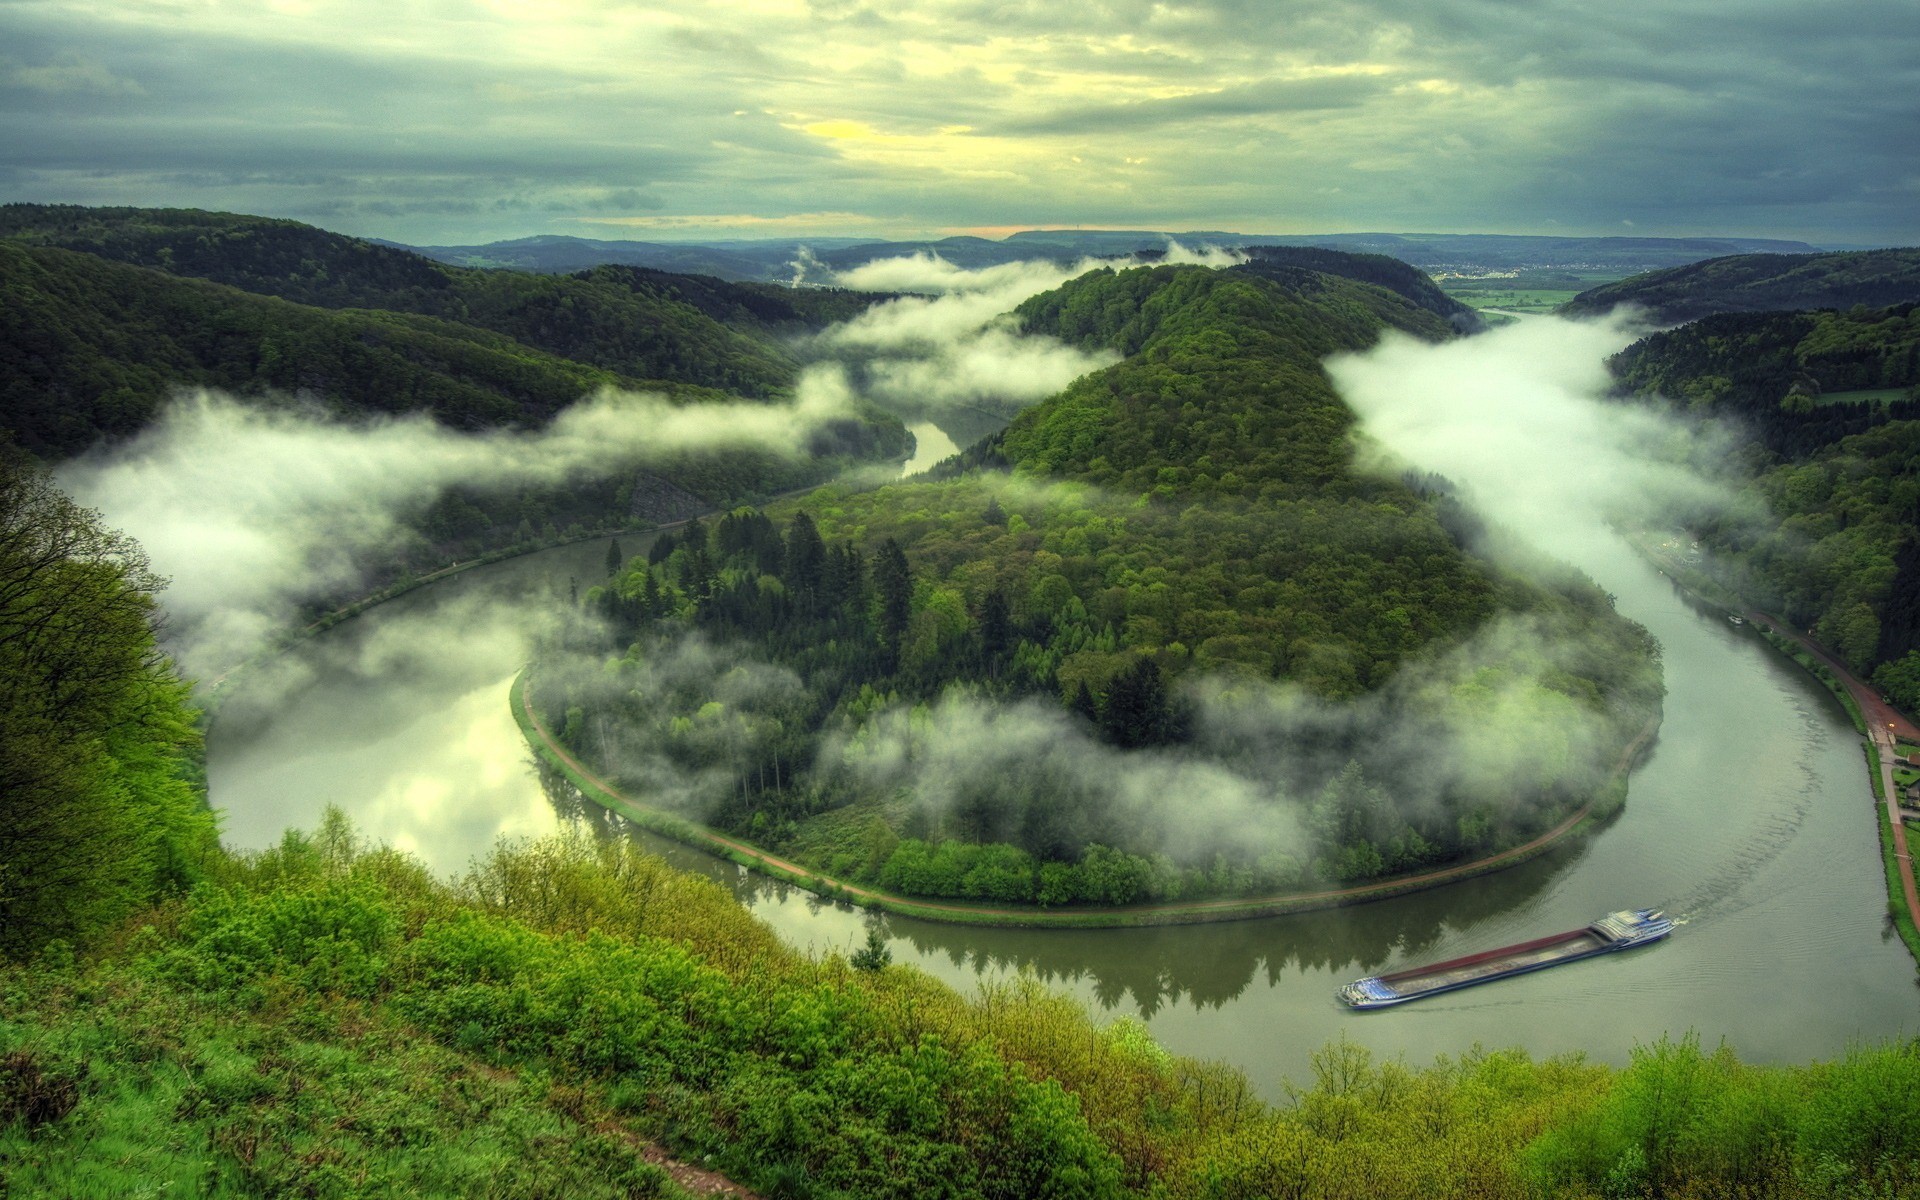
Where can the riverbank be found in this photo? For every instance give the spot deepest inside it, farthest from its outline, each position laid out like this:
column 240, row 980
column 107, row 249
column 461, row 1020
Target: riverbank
column 1609, row 800
column 1878, row 722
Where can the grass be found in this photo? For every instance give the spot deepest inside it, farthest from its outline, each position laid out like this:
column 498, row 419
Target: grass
column 1518, row 299
column 144, row 1090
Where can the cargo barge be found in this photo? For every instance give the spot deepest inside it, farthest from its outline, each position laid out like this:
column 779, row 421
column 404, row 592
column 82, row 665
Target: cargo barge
column 1615, row 931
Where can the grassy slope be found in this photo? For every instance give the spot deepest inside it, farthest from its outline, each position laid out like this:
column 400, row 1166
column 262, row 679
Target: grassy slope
column 326, row 1021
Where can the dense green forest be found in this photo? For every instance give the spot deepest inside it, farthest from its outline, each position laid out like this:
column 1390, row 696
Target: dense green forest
column 1760, row 283
column 1121, row 576
column 1826, row 408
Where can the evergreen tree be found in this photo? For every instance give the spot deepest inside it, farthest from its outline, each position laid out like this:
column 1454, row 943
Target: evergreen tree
column 995, row 621
column 893, row 581
column 804, row 563
column 1136, row 712
column 615, row 559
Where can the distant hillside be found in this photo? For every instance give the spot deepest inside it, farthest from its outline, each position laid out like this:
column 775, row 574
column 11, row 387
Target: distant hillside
column 773, row 259
column 91, row 348
column 557, row 254
column 1278, row 262
column 1759, row 283
column 641, row 323
column 1827, row 406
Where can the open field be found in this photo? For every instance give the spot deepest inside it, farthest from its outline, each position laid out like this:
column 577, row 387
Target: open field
column 1518, row 299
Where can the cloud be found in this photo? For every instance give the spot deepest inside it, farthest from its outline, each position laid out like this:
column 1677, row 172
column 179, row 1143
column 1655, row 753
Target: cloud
column 1267, row 98
column 250, row 510
column 1518, row 418
column 957, row 345
column 69, row 73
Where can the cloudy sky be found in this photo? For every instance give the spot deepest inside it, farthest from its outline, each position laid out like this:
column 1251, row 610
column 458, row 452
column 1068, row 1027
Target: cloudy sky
column 467, row 120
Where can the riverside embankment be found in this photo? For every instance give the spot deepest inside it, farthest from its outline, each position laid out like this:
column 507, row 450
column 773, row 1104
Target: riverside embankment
column 596, row 789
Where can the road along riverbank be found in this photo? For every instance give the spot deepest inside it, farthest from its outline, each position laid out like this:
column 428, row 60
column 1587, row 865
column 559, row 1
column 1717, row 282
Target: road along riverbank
column 1188, row 912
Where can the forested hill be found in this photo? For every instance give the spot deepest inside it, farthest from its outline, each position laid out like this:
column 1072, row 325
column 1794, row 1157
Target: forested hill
column 1188, row 518
column 1801, row 380
column 637, row 322
column 93, row 344
column 92, row 349
column 1761, row 282
column 1396, row 276
column 1828, row 405
column 1223, row 391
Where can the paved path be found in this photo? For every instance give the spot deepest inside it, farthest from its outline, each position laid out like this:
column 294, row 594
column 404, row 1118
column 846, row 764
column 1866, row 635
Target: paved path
column 1225, row 907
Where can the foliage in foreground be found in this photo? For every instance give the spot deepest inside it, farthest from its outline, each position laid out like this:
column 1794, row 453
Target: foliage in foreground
column 326, row 1020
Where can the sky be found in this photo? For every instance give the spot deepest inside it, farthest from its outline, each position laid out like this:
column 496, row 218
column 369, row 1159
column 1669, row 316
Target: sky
column 452, row 121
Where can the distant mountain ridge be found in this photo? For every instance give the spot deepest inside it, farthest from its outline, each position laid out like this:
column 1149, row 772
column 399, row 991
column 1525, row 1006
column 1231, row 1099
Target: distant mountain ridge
column 1761, row 283
column 775, row 259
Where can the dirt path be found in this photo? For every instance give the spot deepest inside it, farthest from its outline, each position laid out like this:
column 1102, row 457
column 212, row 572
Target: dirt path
column 1886, row 726
column 1227, row 907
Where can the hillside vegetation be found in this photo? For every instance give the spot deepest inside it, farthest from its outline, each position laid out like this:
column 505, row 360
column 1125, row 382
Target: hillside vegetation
column 1826, row 405
column 641, row 323
column 1183, row 524
column 325, row 1019
column 1759, row 283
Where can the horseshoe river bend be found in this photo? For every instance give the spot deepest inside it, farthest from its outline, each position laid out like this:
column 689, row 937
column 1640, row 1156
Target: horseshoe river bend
column 1750, row 820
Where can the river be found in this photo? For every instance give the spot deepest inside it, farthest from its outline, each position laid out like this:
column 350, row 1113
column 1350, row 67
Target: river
column 1751, row 820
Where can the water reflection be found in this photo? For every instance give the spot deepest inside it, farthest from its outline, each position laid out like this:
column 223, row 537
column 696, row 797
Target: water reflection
column 1143, row 969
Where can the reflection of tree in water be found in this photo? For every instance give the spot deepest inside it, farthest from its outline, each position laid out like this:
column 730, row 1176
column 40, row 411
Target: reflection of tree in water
column 1210, row 965
column 569, row 804
column 1205, row 965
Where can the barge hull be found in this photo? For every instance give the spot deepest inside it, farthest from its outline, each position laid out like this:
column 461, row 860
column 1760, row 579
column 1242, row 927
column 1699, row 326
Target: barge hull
column 1617, row 931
